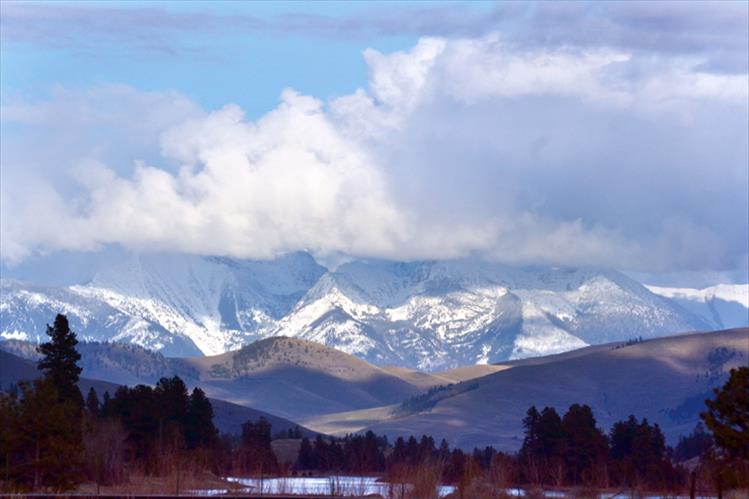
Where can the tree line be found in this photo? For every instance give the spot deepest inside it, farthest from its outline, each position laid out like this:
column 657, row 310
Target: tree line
column 52, row 438
column 563, row 451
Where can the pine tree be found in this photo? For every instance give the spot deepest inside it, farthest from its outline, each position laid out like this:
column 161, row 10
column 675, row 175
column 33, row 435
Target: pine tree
column 60, row 361
column 306, row 459
column 92, row 403
column 258, row 456
column 9, row 434
column 199, row 428
column 727, row 417
column 173, row 400
column 50, row 438
column 531, row 441
column 106, row 405
column 585, row 446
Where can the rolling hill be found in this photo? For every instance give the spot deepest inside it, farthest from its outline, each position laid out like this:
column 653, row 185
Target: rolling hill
column 228, row 417
column 297, row 378
column 665, row 380
column 290, row 377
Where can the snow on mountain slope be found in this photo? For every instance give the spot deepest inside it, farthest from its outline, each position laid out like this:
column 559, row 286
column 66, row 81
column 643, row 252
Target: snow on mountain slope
column 26, row 309
column 434, row 315
column 427, row 315
column 220, row 303
column 724, row 305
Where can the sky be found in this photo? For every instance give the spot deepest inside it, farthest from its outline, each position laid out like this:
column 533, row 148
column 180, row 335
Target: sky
column 607, row 134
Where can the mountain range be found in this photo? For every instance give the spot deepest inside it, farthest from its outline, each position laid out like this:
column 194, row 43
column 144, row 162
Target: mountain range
column 284, row 379
column 421, row 315
column 228, row 417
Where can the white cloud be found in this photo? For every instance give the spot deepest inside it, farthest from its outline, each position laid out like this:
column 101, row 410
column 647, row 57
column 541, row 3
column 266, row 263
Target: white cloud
column 466, row 146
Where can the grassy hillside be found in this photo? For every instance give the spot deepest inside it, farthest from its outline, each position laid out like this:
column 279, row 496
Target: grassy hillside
column 298, row 379
column 665, row 380
column 290, row 377
column 228, row 417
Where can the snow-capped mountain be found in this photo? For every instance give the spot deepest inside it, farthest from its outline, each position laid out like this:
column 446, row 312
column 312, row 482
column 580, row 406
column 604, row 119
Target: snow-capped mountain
column 220, row 303
column 723, row 306
column 26, row 309
column 422, row 314
column 443, row 314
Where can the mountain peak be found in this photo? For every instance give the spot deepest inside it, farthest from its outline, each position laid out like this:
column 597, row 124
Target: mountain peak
column 421, row 314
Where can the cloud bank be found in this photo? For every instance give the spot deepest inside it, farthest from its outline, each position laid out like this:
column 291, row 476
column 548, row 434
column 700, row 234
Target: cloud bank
column 480, row 146
column 717, row 33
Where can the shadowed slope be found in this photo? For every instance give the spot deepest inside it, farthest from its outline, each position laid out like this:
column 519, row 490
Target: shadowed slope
column 298, row 378
column 228, row 417
column 665, row 380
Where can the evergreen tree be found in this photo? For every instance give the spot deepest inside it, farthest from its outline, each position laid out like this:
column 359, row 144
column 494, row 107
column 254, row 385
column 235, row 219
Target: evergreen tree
column 550, row 434
column 92, row 402
column 173, row 399
column 399, row 454
column 138, row 410
column 9, row 434
column 49, row 441
column 541, row 453
column 60, row 361
column 638, row 452
column 443, row 453
column 106, row 408
column 727, row 417
column 257, row 453
column 696, row 444
column 455, row 467
column 531, row 442
column 199, row 428
column 306, row 459
column 585, row 445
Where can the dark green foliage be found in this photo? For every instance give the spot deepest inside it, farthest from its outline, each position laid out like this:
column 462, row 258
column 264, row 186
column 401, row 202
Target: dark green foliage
column 307, row 459
column 531, row 442
column 172, row 401
column 542, row 448
column 428, row 399
column 363, row 453
column 328, row 454
column 351, row 454
column 727, row 416
column 199, row 429
column 573, row 451
column 585, row 446
column 638, row 452
column 696, row 444
column 455, row 468
column 92, row 403
column 59, row 361
column 629, row 342
column 106, row 405
column 162, row 419
column 293, row 433
column 256, row 453
column 137, row 409
column 41, row 438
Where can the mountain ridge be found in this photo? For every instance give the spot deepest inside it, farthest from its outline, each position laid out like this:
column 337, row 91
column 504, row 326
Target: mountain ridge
column 664, row 379
column 431, row 315
column 228, row 417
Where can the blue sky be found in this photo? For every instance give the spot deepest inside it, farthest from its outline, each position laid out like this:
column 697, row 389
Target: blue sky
column 564, row 133
column 247, row 66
